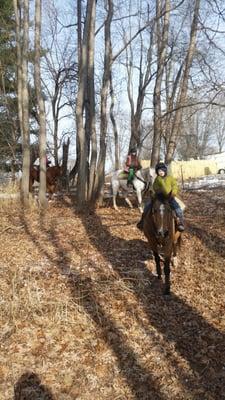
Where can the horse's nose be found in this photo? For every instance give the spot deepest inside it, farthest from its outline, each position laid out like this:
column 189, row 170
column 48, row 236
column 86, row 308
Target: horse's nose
column 163, row 234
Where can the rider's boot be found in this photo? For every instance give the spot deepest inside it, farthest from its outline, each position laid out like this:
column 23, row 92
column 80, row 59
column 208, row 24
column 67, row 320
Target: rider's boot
column 180, row 220
column 180, row 225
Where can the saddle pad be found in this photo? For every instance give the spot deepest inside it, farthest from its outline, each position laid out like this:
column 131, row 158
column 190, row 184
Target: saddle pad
column 123, row 175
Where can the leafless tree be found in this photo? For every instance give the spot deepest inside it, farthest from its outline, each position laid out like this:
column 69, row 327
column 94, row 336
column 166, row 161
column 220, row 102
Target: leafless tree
column 59, row 75
column 218, row 126
column 81, row 105
column 183, row 89
column 21, row 10
column 41, row 106
column 162, row 33
column 100, row 173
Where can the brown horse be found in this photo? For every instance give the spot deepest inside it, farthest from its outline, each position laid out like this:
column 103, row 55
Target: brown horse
column 52, row 175
column 163, row 237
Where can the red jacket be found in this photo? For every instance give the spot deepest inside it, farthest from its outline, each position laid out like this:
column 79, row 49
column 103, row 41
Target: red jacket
column 132, row 162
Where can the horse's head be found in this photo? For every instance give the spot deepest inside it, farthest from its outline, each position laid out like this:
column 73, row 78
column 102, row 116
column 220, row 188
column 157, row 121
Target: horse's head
column 162, row 217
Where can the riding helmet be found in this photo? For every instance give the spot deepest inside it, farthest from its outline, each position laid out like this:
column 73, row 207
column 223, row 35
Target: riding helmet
column 133, row 150
column 162, row 166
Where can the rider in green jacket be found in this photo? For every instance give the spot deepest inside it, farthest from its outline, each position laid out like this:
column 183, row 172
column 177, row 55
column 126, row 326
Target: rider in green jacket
column 165, row 187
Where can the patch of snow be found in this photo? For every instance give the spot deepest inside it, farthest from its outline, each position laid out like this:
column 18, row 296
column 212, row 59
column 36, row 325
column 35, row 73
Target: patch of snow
column 207, row 182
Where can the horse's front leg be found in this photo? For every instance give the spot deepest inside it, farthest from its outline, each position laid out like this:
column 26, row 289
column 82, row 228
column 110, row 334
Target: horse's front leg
column 31, row 185
column 50, row 188
column 114, row 203
column 158, row 266
column 139, row 197
column 128, row 201
column 167, row 275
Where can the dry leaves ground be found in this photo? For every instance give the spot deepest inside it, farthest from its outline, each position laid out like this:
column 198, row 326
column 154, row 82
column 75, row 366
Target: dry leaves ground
column 83, row 316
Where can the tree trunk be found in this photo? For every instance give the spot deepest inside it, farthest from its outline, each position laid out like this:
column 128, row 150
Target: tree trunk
column 114, row 125
column 100, row 176
column 65, row 162
column 55, row 111
column 22, row 37
column 162, row 42
column 41, row 107
column 82, row 177
column 90, row 99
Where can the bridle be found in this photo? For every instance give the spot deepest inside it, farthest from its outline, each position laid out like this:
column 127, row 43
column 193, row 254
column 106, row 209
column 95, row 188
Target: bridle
column 159, row 231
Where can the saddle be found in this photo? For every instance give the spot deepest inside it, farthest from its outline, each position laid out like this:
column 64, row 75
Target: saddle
column 123, row 175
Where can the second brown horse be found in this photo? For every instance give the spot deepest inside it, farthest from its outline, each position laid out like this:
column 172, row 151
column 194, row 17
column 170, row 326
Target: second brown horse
column 52, row 175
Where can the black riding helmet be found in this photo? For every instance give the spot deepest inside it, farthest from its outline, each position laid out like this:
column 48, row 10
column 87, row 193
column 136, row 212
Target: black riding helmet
column 133, row 150
column 162, row 166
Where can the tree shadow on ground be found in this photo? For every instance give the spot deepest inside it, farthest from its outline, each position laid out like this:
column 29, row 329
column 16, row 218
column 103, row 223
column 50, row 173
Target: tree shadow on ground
column 196, row 340
column 29, row 387
column 138, row 378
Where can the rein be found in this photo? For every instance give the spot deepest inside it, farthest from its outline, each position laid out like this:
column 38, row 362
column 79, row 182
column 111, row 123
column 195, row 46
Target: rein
column 147, row 184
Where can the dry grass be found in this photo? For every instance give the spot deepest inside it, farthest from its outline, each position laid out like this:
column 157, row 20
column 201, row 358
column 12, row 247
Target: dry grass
column 11, row 187
column 83, row 317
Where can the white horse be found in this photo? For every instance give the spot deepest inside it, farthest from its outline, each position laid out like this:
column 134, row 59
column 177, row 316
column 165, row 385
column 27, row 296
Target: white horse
column 141, row 182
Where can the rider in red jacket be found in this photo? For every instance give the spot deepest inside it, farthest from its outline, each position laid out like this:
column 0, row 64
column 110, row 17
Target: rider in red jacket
column 132, row 165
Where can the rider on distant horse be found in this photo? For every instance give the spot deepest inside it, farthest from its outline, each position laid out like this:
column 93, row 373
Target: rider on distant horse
column 132, row 165
column 48, row 162
column 165, row 187
column 37, row 163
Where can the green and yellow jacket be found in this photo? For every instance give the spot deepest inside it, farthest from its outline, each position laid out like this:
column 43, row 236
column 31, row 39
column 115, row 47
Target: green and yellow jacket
column 164, row 185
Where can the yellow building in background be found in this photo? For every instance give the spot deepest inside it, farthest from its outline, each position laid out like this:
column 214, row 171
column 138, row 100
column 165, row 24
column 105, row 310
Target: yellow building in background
column 184, row 170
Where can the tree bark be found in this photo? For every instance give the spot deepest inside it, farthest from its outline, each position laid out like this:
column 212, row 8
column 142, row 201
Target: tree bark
column 22, row 37
column 100, row 176
column 90, row 127
column 41, row 107
column 162, row 42
column 82, row 178
column 65, row 156
column 114, row 125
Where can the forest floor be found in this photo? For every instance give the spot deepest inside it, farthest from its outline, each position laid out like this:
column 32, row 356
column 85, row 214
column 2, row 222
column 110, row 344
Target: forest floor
column 83, row 316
